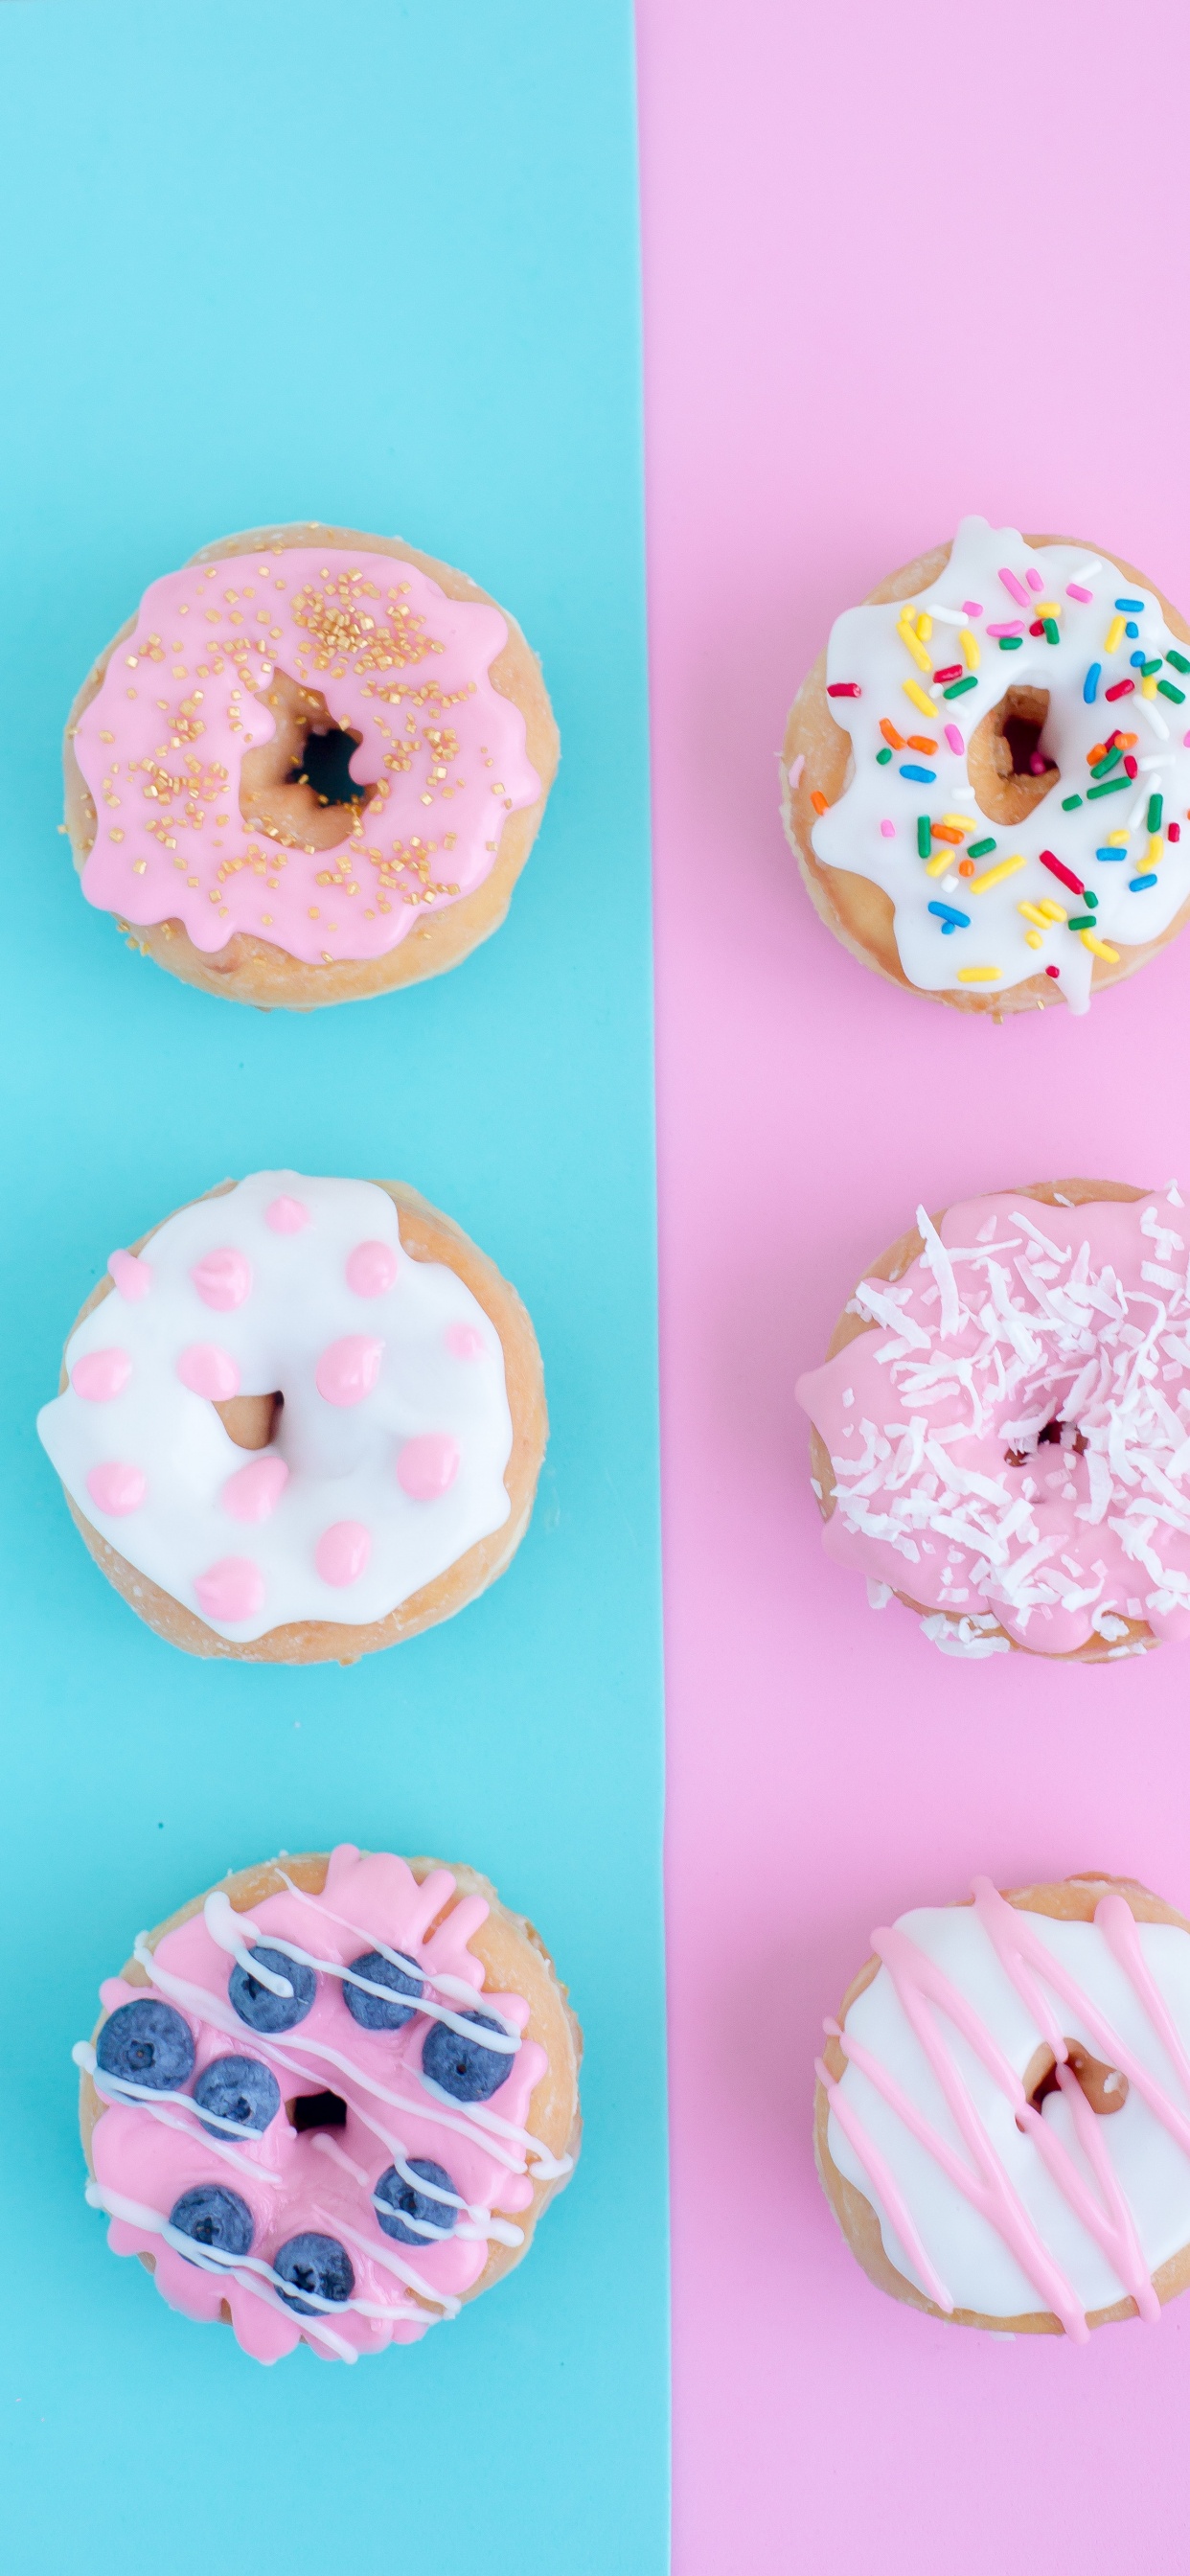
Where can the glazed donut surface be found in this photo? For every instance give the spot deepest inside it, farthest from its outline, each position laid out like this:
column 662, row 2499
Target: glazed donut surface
column 1002, row 2120
column 1002, row 1425
column 303, row 1420
column 985, row 776
column 328, row 2102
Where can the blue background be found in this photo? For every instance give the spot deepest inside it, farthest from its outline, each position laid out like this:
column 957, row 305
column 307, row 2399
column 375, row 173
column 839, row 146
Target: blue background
column 376, row 264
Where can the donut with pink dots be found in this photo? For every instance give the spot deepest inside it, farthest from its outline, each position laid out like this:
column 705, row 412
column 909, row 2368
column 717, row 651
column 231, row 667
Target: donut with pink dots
column 301, row 1420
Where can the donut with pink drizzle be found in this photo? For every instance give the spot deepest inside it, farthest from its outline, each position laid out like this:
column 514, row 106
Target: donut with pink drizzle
column 1002, row 1425
column 310, row 768
column 328, row 2102
column 301, row 1420
column 1002, row 2121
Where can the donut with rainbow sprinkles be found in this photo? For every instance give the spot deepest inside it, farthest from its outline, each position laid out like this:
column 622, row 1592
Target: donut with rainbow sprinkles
column 301, row 1420
column 986, row 776
column 1002, row 2119
column 310, row 768
column 1002, row 1423
column 328, row 2102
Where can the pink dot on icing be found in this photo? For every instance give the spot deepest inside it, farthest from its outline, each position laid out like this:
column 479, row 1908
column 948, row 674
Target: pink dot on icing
column 255, row 1490
column 208, row 1371
column 464, row 1343
column 101, row 1374
column 117, row 1488
column 889, row 830
column 427, row 1466
column 231, row 1590
column 348, row 1370
column 223, row 1278
column 286, row 1216
column 133, row 1277
column 342, row 1553
column 371, row 1269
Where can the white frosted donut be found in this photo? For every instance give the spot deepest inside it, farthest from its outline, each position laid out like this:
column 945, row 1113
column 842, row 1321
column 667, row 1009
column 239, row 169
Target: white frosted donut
column 986, row 777
column 310, row 768
column 328, row 2102
column 302, row 1420
column 1002, row 2121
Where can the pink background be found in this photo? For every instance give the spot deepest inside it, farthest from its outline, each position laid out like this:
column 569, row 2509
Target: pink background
column 899, row 264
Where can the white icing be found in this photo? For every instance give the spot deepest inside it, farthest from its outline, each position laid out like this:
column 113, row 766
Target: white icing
column 967, row 2251
column 866, row 647
column 341, row 1458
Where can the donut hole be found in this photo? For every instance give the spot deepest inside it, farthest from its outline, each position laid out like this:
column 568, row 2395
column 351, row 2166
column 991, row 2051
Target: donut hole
column 251, row 1420
column 298, row 788
column 1008, row 765
column 1058, row 1435
column 316, row 2111
column 1104, row 2087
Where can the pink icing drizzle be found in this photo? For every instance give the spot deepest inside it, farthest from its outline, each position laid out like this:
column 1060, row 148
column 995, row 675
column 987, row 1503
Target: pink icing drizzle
column 348, row 1369
column 1017, row 1317
column 223, row 1278
column 427, row 1466
column 924, row 1989
column 371, row 1269
column 231, row 1590
column 399, row 664
column 342, row 1553
column 209, row 1371
column 100, row 1375
column 133, row 1277
column 117, row 1488
column 464, row 1343
column 286, row 1216
column 288, row 2182
column 255, row 1490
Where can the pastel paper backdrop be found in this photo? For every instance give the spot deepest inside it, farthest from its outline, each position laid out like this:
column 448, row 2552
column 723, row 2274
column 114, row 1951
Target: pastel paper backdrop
column 899, row 264
column 376, row 265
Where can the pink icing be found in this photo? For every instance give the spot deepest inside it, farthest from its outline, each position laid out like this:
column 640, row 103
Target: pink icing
column 924, row 1990
column 286, row 1216
column 255, row 1490
column 427, row 1466
column 1022, row 1318
column 342, row 1553
column 398, row 663
column 286, row 2177
column 209, row 1371
column 117, row 1488
column 347, row 1370
column 100, row 1375
column 371, row 1269
column 223, row 1278
column 133, row 1277
column 464, row 1343
column 233, row 1589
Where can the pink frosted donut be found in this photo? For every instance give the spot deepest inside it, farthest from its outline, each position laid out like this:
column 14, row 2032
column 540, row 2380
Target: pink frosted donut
column 328, row 2102
column 1002, row 1425
column 310, row 768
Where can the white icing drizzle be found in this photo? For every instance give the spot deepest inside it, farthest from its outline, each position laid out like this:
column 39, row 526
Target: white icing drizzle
column 225, row 1927
column 872, row 829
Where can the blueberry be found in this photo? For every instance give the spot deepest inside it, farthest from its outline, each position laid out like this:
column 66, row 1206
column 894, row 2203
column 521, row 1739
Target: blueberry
column 146, row 2043
column 314, row 2263
column 239, row 2089
column 406, row 2203
column 465, row 2068
column 213, row 2216
column 258, row 2005
column 368, row 2010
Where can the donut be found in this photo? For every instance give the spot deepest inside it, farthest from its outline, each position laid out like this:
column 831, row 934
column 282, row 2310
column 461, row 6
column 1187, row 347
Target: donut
column 327, row 2102
column 986, row 776
column 310, row 768
column 1002, row 2116
column 1002, row 1423
column 300, row 1420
